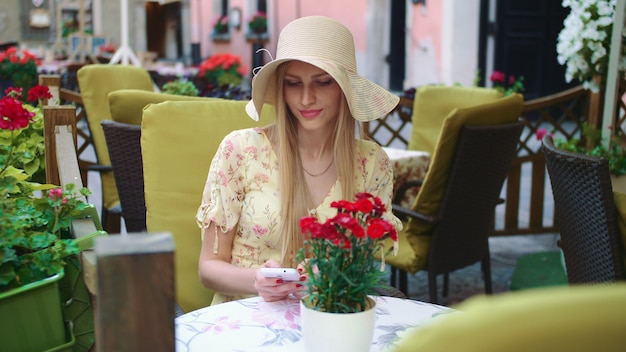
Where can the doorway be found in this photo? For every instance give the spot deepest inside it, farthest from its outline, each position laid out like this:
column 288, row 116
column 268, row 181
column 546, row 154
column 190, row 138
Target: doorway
column 164, row 30
column 525, row 36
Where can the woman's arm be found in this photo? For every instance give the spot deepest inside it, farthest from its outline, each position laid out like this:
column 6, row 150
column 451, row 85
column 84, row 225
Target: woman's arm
column 217, row 273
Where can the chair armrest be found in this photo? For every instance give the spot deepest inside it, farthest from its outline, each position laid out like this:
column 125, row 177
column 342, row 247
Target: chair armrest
column 404, row 214
column 71, row 96
column 100, row 168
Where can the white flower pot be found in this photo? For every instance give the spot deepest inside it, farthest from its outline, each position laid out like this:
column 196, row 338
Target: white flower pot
column 328, row 332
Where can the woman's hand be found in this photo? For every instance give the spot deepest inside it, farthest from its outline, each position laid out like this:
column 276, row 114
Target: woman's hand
column 275, row 289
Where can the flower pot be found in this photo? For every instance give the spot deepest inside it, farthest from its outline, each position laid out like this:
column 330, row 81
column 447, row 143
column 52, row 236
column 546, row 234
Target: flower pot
column 31, row 318
column 326, row 332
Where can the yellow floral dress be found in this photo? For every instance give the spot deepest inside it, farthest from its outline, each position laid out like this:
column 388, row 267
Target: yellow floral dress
column 242, row 191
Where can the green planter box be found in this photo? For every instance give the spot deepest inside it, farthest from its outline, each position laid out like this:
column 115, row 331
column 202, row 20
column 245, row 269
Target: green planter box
column 31, row 318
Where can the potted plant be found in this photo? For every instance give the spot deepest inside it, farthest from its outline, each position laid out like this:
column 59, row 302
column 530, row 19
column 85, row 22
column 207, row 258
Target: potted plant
column 18, row 68
column 591, row 144
column 29, row 140
column 220, row 28
column 180, row 86
column 583, row 44
column 258, row 23
column 506, row 85
column 342, row 272
column 35, row 243
column 223, row 74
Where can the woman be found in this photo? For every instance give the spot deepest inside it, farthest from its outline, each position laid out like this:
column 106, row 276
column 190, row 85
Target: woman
column 263, row 180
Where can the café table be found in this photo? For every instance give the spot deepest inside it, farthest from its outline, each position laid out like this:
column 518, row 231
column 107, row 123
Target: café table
column 255, row 325
column 408, row 165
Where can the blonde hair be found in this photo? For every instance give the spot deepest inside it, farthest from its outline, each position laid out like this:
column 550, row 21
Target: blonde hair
column 295, row 199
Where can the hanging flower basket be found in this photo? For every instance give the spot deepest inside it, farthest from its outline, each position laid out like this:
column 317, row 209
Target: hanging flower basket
column 258, row 23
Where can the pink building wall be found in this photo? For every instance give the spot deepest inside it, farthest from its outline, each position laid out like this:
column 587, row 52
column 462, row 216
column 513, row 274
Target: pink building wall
column 424, row 53
column 363, row 17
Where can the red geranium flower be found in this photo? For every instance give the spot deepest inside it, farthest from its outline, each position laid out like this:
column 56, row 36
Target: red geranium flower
column 13, row 92
column 39, row 92
column 13, row 116
column 497, row 77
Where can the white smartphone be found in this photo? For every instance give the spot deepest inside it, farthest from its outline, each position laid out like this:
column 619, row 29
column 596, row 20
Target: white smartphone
column 287, row 274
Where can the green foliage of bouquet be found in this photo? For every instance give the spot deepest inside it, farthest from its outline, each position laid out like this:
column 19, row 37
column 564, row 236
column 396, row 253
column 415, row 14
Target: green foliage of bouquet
column 34, row 217
column 224, row 69
column 584, row 42
column 19, row 66
column 340, row 254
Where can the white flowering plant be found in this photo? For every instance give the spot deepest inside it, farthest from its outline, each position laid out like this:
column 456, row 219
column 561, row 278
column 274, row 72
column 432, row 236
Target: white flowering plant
column 583, row 44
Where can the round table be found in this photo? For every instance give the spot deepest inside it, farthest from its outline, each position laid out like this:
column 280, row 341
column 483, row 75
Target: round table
column 255, row 325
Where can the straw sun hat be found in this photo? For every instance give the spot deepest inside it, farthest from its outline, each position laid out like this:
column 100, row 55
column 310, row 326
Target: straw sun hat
column 328, row 45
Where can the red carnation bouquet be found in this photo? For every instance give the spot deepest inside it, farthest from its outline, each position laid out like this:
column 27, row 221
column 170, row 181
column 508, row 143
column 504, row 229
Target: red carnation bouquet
column 340, row 254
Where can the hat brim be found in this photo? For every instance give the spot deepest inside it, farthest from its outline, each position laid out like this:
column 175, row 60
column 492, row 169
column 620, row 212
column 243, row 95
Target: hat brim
column 367, row 100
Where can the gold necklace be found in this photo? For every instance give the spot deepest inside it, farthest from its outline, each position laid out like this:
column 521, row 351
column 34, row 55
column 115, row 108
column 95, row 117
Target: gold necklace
column 321, row 173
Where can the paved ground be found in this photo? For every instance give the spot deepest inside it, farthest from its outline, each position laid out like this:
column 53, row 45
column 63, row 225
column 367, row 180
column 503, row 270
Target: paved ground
column 468, row 282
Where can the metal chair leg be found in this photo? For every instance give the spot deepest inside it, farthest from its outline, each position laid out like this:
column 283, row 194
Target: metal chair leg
column 486, row 269
column 432, row 287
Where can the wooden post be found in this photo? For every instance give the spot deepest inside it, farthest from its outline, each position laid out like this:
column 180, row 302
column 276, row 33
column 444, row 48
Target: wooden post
column 612, row 81
column 53, row 82
column 58, row 120
column 136, row 285
column 62, row 168
column 596, row 105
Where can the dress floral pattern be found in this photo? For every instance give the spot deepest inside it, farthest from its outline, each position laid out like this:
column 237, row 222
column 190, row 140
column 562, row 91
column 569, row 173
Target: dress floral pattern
column 242, row 192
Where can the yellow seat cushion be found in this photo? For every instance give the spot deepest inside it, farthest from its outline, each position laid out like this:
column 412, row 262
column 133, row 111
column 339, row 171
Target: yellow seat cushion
column 620, row 212
column 126, row 105
column 428, row 201
column 432, row 104
column 409, row 258
column 570, row 318
column 178, row 141
column 96, row 81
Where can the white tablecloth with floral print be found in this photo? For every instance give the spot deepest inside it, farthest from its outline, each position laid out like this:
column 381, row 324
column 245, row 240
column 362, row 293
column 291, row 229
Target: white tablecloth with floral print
column 408, row 165
column 255, row 325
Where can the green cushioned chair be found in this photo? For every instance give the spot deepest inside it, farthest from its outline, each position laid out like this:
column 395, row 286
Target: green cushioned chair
column 126, row 105
column 431, row 106
column 178, row 141
column 459, row 193
column 567, row 318
column 96, row 82
column 123, row 135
